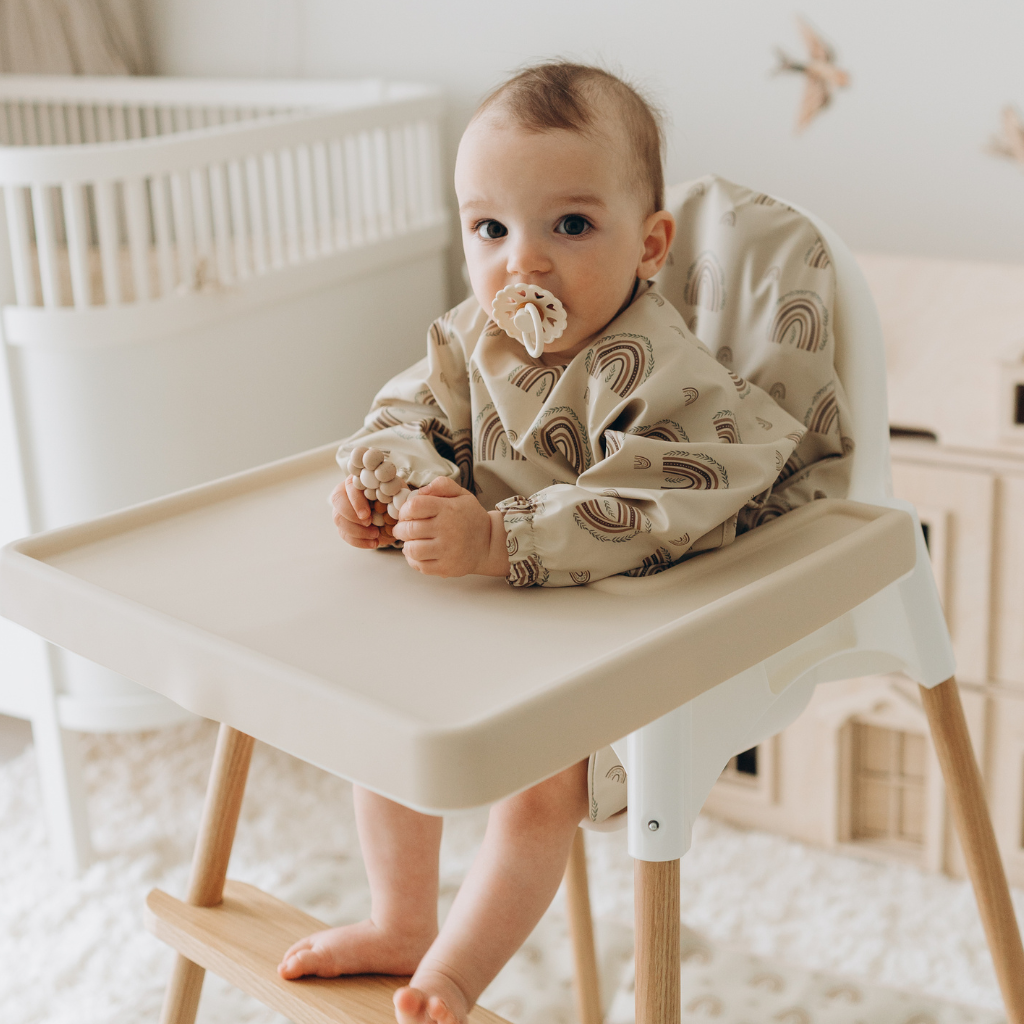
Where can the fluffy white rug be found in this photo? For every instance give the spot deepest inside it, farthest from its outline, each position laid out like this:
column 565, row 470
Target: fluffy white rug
column 74, row 951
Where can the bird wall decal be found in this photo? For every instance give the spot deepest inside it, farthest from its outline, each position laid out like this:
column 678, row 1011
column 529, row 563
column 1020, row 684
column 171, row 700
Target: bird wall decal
column 821, row 74
column 1010, row 142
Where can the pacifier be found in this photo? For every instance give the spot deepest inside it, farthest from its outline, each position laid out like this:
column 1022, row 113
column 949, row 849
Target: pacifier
column 530, row 315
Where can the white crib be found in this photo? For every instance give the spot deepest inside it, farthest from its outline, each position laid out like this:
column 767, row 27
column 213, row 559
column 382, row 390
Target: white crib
column 188, row 269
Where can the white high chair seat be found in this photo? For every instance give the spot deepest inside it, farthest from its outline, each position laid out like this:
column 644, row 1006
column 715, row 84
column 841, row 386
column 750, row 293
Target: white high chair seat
column 237, row 600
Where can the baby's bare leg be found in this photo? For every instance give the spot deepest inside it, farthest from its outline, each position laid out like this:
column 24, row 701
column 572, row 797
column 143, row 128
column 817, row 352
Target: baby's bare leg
column 400, row 850
column 508, row 888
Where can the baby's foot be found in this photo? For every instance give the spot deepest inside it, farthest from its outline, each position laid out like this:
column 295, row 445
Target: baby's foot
column 431, row 998
column 355, row 949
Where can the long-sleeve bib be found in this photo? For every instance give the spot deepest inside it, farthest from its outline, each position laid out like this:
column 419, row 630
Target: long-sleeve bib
column 641, row 451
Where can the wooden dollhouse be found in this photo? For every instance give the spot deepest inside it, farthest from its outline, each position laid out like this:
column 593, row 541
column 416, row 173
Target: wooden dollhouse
column 856, row 772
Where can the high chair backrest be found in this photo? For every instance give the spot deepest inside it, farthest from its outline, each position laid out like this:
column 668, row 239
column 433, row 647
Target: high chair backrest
column 780, row 300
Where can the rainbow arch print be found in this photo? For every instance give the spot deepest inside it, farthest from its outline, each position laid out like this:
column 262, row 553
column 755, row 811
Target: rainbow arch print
column 563, row 434
column 823, row 414
column 609, row 520
column 663, row 430
column 492, row 442
column 725, row 426
column 622, row 361
column 693, row 471
column 536, row 380
column 801, row 320
column 705, row 283
column 817, row 256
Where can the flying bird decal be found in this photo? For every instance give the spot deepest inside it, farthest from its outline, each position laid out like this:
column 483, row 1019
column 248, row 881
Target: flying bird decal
column 1010, row 143
column 821, row 75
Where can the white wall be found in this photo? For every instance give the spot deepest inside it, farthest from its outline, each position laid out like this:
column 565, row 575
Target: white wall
column 896, row 165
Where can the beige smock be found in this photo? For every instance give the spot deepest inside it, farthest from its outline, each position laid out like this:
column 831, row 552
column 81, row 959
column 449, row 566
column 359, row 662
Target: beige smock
column 641, row 450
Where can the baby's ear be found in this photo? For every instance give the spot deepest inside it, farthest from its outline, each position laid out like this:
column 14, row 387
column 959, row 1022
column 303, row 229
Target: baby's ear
column 659, row 230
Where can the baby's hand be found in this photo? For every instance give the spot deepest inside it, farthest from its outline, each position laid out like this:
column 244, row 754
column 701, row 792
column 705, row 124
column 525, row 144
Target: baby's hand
column 352, row 515
column 447, row 532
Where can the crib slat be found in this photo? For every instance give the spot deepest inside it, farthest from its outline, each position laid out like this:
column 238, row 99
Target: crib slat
column 239, row 221
column 42, row 214
column 89, row 131
column 17, row 124
column 322, row 188
column 15, row 202
column 400, row 223
column 60, row 123
column 356, row 215
column 117, row 122
column 31, row 125
column 5, row 126
column 137, row 222
column 44, row 111
column 76, row 224
column 259, row 233
column 272, row 191
column 204, row 267
column 162, row 230
column 104, row 128
column 336, row 160
column 134, row 122
column 306, row 208
column 106, row 223
column 221, row 224
column 371, row 222
column 289, row 202
column 150, row 123
column 181, row 201
column 382, row 180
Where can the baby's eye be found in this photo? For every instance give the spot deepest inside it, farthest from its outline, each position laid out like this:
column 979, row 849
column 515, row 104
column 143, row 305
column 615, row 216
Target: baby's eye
column 491, row 229
column 572, row 224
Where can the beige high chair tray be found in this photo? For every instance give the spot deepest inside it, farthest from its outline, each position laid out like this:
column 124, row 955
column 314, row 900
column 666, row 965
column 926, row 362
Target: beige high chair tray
column 238, row 600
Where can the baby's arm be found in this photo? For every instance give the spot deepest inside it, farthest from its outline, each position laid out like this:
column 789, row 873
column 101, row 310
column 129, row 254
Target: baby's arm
column 447, row 532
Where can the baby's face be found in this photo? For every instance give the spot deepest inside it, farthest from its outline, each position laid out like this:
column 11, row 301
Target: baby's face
column 553, row 209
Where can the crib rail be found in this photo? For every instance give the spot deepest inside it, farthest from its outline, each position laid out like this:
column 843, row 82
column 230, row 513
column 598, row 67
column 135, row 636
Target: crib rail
column 109, row 202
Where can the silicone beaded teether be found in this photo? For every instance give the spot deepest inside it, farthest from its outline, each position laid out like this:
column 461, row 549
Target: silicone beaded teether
column 530, row 315
column 376, row 476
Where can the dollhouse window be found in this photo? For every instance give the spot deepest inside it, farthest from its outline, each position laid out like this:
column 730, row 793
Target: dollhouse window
column 888, row 786
column 743, row 767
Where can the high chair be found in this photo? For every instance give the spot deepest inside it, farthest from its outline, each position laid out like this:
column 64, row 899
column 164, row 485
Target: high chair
column 237, row 600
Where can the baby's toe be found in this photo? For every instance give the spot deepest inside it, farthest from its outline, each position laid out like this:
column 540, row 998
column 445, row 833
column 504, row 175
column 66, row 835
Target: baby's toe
column 410, row 1006
column 439, row 1013
column 303, row 961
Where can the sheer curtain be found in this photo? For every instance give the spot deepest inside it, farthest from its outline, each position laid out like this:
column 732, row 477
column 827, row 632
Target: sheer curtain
column 64, row 37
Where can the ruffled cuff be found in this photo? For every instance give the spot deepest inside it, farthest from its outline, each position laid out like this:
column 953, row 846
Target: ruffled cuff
column 525, row 567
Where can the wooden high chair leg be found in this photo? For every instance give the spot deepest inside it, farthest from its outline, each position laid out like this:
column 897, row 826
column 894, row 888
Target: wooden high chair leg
column 977, row 838
column 581, row 928
column 210, row 861
column 656, row 912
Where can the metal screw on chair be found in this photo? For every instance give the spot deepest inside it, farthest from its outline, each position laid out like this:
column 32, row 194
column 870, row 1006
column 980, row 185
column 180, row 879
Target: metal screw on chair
column 653, row 825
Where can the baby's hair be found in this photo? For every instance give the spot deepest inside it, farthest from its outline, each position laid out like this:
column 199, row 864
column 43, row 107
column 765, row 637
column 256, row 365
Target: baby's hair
column 559, row 95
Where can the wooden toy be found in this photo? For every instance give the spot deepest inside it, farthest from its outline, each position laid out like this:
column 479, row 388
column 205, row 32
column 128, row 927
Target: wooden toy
column 376, row 476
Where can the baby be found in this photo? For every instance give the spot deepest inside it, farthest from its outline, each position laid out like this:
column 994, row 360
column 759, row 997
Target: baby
column 621, row 448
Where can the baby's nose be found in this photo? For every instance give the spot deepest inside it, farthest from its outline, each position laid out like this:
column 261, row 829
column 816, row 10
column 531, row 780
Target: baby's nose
column 528, row 256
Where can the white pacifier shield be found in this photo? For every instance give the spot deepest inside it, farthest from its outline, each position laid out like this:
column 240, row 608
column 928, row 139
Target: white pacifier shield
column 530, row 315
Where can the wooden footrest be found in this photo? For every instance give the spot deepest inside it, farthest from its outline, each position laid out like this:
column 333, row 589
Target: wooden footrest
column 242, row 940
